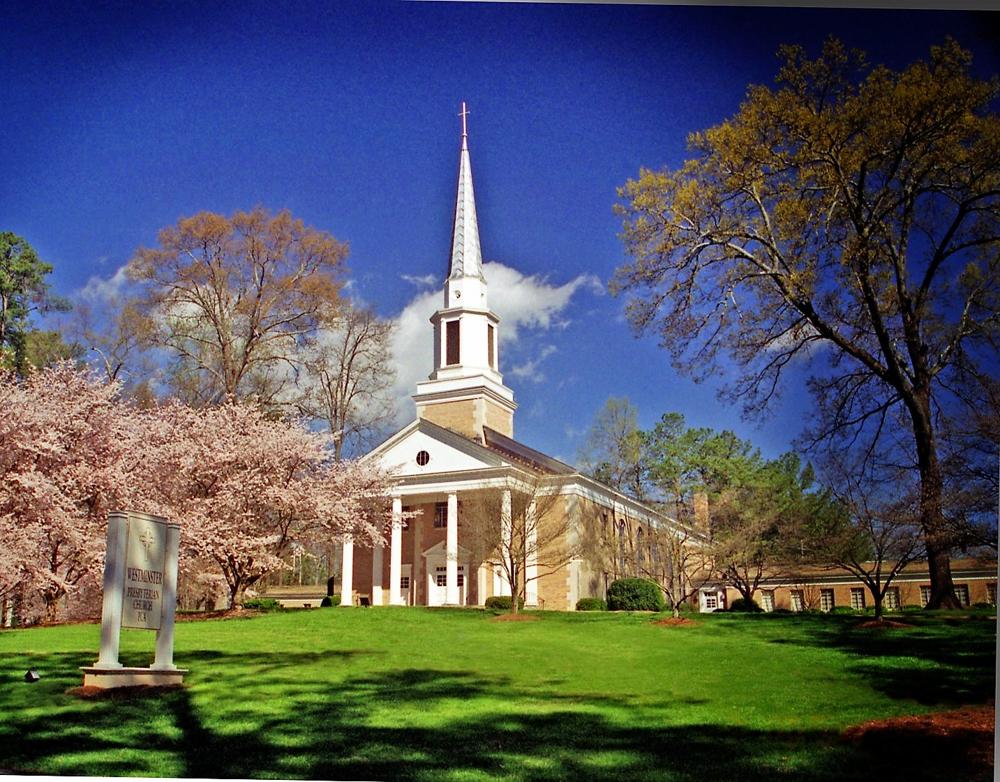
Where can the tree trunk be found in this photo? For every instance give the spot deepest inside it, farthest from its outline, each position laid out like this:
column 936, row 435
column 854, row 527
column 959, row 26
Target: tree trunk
column 878, row 597
column 236, row 590
column 51, row 609
column 936, row 539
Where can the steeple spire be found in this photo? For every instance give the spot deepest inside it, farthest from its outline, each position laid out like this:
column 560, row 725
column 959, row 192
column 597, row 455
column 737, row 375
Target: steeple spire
column 466, row 254
column 465, row 392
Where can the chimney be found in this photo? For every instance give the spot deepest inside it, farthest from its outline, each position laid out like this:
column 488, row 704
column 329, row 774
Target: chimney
column 699, row 502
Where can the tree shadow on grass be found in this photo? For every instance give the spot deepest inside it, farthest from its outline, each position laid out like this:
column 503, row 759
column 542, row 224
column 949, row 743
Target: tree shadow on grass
column 229, row 722
column 940, row 661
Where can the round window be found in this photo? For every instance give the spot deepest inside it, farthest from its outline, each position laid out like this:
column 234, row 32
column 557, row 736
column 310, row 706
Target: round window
column 423, row 457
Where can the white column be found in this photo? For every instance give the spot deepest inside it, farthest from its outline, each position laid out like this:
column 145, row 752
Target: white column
column 114, row 583
column 451, row 552
column 506, row 531
column 347, row 576
column 531, row 557
column 377, row 575
column 164, row 660
column 396, row 553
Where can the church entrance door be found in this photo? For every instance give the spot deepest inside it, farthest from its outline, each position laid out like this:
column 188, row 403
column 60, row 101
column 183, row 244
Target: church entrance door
column 436, row 589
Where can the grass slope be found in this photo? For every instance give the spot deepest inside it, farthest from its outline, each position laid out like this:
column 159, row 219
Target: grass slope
column 451, row 694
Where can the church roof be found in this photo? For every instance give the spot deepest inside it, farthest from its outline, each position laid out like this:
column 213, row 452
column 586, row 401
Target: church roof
column 520, row 452
column 466, row 254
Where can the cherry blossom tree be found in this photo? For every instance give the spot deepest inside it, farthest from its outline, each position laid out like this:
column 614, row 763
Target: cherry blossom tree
column 247, row 487
column 243, row 485
column 68, row 448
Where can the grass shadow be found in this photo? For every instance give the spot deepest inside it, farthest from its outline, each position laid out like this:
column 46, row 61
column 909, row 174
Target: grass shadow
column 324, row 731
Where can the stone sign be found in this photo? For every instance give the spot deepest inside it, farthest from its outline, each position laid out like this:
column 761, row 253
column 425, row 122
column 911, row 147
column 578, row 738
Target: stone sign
column 140, row 591
column 145, row 550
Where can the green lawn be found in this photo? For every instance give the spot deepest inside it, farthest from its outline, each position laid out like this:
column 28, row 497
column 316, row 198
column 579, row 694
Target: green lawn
column 451, row 694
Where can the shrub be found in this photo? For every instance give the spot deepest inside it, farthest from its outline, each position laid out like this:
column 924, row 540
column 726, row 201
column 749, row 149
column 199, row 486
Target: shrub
column 262, row 603
column 329, row 601
column 591, row 604
column 634, row 594
column 742, row 605
column 503, row 602
column 843, row 610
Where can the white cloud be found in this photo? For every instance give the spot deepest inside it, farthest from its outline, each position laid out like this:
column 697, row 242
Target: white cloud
column 426, row 281
column 529, row 370
column 526, row 305
column 100, row 290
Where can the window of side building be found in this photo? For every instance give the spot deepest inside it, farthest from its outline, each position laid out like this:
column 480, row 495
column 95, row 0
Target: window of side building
column 767, row 599
column 858, row 598
column 798, row 599
column 962, row 593
column 925, row 595
column 826, row 602
column 991, row 593
column 891, row 599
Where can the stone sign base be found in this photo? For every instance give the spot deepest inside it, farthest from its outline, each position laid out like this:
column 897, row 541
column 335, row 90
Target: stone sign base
column 107, row 678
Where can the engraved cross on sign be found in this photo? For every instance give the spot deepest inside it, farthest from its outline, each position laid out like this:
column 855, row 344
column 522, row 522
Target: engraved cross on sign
column 463, row 114
column 147, row 539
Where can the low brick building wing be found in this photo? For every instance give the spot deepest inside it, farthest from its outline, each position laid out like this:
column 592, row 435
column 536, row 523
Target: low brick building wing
column 824, row 589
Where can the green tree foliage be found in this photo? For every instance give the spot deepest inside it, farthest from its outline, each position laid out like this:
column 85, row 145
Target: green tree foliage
column 847, row 219
column 23, row 290
column 614, row 449
column 45, row 348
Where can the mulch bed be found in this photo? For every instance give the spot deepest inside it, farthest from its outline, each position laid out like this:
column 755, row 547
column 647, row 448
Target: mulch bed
column 965, row 734
column 675, row 621
column 515, row 618
column 227, row 613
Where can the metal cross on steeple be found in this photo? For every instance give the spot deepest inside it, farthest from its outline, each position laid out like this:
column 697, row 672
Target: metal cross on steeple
column 463, row 114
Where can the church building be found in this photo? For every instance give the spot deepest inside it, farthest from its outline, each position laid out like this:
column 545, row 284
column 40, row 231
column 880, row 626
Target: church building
column 459, row 458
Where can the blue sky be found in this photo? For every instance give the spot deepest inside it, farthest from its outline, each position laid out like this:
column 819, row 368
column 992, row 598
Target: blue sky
column 121, row 118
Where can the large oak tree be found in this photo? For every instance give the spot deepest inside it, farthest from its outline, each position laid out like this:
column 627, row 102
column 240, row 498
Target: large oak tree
column 234, row 299
column 848, row 218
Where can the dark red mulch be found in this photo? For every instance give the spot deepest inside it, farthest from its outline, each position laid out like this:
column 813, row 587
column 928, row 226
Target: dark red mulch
column 675, row 621
column 964, row 737
column 228, row 613
column 515, row 618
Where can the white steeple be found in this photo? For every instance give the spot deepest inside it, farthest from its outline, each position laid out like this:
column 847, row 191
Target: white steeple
column 466, row 254
column 465, row 267
column 465, row 391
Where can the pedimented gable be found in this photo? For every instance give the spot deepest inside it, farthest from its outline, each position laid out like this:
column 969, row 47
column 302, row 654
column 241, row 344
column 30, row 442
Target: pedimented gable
column 439, row 450
column 439, row 550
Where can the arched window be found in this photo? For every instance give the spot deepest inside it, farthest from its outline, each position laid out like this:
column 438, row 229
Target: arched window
column 640, row 554
column 622, row 549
